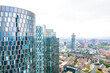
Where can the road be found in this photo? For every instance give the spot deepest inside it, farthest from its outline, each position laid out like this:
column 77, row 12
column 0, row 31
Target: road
column 94, row 69
column 108, row 60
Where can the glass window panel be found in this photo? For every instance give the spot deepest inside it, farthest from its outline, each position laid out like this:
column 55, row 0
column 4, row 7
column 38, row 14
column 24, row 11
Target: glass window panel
column 7, row 24
column 10, row 14
column 9, row 19
column 2, row 28
column 21, row 15
column 14, row 14
column 23, row 11
column 10, row 28
column 6, row 57
column 7, row 8
column 0, row 63
column 11, row 24
column 3, row 23
column 19, row 10
column 13, row 19
column 0, row 23
column 9, row 33
column 11, row 38
column 0, row 34
column 25, row 16
column 13, row 34
column 5, row 33
column 2, row 13
column 6, row 28
column 0, row 18
column 6, row 13
column 11, row 9
column 0, row 8
column 20, row 20
column 15, row 9
column 0, row 37
column 23, row 20
column 6, row 43
column 3, row 8
column 19, row 25
column 5, row 19
column 14, row 29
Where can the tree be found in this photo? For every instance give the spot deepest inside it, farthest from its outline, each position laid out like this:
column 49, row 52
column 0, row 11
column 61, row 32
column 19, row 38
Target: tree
column 72, row 64
column 97, row 71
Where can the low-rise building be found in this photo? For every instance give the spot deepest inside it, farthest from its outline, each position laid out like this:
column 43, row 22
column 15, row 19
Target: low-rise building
column 101, row 67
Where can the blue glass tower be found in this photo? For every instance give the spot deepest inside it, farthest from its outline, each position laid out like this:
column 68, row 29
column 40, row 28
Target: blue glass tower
column 51, row 52
column 17, row 50
column 39, row 45
column 73, row 42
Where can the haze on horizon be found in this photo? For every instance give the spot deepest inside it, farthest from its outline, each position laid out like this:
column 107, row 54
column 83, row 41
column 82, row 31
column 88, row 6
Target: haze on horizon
column 85, row 18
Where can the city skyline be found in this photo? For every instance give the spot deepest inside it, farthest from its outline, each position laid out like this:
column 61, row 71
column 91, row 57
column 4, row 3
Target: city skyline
column 85, row 18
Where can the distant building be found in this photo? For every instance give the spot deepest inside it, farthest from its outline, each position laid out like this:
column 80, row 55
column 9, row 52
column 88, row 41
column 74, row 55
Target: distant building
column 73, row 42
column 85, row 45
column 101, row 67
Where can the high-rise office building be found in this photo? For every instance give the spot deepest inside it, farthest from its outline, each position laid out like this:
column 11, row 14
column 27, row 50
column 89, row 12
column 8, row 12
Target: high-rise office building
column 17, row 50
column 51, row 52
column 39, row 45
column 73, row 42
column 52, row 55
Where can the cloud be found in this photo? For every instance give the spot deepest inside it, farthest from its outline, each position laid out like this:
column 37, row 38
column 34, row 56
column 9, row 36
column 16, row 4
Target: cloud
column 86, row 18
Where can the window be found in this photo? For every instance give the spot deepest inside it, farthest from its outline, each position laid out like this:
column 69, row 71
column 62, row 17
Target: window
column 19, row 25
column 0, row 18
column 0, row 63
column 15, row 9
column 6, row 28
column 5, row 19
column 2, row 28
column 9, row 19
column 14, row 29
column 7, row 24
column 0, row 35
column 21, row 15
column 10, row 14
column 19, row 10
column 20, row 20
column 3, row 23
column 6, row 43
column 2, row 13
column 0, row 23
column 11, row 9
column 6, row 13
column 6, row 57
column 9, row 63
column 7, row 8
column 10, row 28
column 3, row 8
column 23, row 20
column 5, row 33
column 11, row 24
column 13, row 19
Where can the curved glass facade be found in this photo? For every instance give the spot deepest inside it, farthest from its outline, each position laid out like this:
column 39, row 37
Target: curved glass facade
column 17, row 48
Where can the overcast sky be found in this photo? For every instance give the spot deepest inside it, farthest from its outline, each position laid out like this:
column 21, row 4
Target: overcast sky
column 85, row 18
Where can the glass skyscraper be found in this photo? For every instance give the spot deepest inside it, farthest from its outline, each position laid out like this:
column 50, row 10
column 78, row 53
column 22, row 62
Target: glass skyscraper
column 17, row 47
column 73, row 42
column 39, row 44
column 51, row 53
